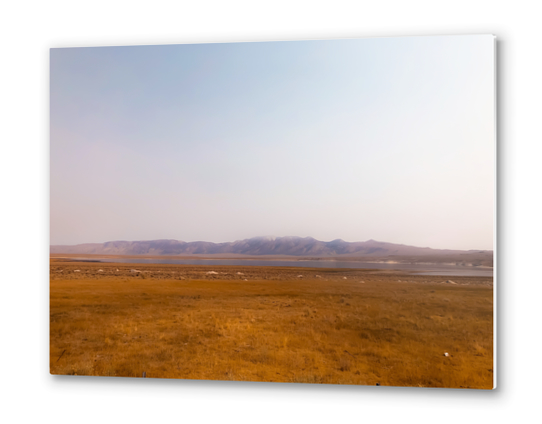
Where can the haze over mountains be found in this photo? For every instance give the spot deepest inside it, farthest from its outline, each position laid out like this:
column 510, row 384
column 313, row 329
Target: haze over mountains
column 257, row 246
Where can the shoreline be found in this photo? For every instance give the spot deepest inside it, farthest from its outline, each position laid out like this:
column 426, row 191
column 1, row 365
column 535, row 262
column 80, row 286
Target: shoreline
column 91, row 267
column 365, row 259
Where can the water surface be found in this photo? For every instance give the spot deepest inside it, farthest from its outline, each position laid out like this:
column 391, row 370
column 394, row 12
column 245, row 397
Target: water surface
column 417, row 269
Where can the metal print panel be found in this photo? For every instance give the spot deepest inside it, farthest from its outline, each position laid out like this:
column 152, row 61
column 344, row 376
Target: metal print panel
column 297, row 211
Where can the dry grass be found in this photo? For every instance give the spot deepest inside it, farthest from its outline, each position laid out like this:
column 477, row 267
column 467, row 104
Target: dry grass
column 276, row 328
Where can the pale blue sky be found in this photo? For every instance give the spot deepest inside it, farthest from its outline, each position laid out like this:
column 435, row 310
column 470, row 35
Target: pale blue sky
column 389, row 139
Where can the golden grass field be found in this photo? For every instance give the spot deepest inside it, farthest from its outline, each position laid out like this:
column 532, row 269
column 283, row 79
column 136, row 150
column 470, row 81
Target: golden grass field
column 179, row 321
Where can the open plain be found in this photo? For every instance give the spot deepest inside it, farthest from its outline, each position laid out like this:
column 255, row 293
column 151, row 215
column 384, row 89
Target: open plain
column 274, row 324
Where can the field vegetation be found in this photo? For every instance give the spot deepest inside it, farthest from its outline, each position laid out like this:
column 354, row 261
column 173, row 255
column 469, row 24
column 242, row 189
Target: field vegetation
column 271, row 324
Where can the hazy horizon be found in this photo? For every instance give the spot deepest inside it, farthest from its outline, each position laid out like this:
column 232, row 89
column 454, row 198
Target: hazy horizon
column 389, row 139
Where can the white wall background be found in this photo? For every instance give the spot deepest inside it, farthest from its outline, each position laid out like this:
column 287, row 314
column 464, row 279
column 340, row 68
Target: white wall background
column 28, row 29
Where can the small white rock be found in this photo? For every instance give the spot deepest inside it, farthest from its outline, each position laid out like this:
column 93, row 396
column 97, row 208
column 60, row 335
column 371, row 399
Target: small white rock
column 446, row 354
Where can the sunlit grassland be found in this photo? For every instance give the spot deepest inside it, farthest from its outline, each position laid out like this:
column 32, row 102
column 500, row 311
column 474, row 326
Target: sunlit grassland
column 310, row 331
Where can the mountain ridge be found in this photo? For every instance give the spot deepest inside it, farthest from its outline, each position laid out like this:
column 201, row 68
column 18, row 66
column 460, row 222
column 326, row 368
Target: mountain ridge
column 255, row 246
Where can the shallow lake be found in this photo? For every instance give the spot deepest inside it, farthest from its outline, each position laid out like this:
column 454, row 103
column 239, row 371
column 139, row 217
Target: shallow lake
column 418, row 269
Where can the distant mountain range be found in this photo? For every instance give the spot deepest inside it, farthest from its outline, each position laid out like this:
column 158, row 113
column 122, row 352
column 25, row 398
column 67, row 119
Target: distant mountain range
column 257, row 246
